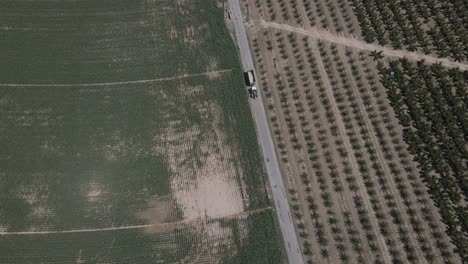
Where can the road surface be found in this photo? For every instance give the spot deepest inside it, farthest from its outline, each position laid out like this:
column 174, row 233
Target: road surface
column 266, row 141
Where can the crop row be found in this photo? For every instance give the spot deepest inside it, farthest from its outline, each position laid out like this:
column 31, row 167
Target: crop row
column 335, row 16
column 430, row 102
column 428, row 26
column 381, row 197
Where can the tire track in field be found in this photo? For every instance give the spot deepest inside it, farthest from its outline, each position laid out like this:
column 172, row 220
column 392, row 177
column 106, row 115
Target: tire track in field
column 156, row 226
column 210, row 74
column 354, row 43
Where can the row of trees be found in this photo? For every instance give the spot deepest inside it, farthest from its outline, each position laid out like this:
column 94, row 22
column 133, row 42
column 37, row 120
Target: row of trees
column 326, row 132
column 363, row 151
column 431, row 103
column 381, row 171
column 299, row 107
column 333, row 16
column 310, row 144
column 429, row 26
column 291, row 103
column 330, row 15
column 426, row 210
column 280, row 116
column 389, row 198
column 290, row 87
column 413, row 195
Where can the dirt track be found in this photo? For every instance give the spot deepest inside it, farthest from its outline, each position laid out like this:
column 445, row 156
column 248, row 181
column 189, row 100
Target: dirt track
column 155, row 226
column 350, row 42
column 210, row 73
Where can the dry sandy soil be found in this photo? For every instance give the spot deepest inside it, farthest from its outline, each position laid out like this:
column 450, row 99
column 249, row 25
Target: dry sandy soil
column 355, row 190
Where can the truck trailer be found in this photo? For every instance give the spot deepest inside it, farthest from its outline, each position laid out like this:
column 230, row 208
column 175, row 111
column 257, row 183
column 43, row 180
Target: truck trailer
column 249, row 78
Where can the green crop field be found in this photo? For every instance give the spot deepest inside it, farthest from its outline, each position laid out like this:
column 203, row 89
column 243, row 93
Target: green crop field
column 126, row 137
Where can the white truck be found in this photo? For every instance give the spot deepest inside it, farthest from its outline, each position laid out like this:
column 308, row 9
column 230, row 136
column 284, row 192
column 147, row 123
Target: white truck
column 249, row 78
column 253, row 91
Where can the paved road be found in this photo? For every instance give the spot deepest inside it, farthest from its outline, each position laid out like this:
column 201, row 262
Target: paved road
column 266, row 141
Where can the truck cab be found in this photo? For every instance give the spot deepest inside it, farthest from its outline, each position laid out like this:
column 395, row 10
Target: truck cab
column 253, row 92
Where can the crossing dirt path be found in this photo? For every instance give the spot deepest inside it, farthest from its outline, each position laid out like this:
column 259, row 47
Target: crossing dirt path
column 350, row 42
column 350, row 176
column 155, row 226
column 209, row 74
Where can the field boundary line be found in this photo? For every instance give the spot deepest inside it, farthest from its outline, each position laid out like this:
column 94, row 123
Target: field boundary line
column 208, row 73
column 358, row 44
column 156, row 226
